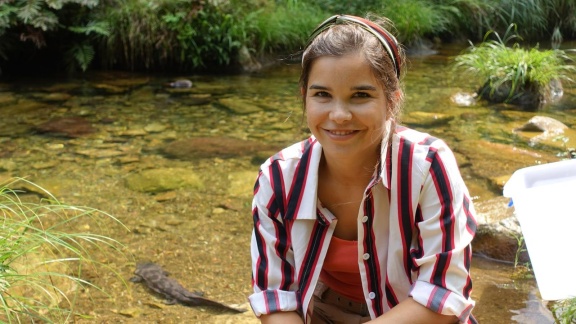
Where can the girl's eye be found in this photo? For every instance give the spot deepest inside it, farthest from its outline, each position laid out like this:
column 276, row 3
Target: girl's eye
column 321, row 94
column 361, row 95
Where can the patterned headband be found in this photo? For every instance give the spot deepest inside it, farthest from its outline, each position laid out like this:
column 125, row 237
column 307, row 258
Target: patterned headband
column 386, row 39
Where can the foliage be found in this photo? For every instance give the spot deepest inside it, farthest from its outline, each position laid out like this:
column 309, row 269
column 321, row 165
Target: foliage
column 179, row 35
column 35, row 20
column 528, row 15
column 138, row 38
column 537, row 19
column 285, row 27
column 496, row 64
column 42, row 263
column 212, row 35
column 565, row 311
column 160, row 35
column 470, row 18
column 351, row 7
column 415, row 19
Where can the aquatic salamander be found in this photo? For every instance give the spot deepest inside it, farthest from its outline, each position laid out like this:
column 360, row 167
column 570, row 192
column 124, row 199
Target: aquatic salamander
column 155, row 278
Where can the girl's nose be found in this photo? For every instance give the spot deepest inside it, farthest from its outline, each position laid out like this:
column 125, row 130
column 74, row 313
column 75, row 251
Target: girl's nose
column 340, row 113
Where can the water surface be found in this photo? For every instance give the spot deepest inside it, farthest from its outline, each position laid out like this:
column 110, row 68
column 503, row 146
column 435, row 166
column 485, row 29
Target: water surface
column 201, row 236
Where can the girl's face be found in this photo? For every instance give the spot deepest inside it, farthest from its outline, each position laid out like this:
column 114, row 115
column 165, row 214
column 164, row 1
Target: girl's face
column 345, row 106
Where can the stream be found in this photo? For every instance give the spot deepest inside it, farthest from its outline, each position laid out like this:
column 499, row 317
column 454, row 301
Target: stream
column 104, row 140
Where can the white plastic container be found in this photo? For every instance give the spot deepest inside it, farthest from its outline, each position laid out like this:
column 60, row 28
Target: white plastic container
column 544, row 198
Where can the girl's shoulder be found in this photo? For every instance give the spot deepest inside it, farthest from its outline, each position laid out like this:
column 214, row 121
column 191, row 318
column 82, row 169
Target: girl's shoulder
column 294, row 152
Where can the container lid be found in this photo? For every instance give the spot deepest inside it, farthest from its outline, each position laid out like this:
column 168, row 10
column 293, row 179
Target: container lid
column 540, row 175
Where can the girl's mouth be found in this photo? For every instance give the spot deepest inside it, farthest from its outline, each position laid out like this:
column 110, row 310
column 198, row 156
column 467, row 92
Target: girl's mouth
column 341, row 132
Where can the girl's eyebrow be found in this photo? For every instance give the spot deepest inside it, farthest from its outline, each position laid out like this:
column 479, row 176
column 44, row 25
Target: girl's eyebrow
column 364, row 87
column 356, row 88
column 317, row 87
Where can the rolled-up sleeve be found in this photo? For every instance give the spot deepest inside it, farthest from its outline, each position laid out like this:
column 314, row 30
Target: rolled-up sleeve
column 273, row 277
column 446, row 226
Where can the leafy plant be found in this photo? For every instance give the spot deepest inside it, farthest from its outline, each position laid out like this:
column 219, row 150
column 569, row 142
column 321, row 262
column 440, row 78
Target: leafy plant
column 82, row 53
column 36, row 21
column 521, row 248
column 210, row 35
column 359, row 8
column 286, row 26
column 507, row 73
column 469, row 18
column 415, row 19
column 565, row 311
column 528, row 15
column 42, row 262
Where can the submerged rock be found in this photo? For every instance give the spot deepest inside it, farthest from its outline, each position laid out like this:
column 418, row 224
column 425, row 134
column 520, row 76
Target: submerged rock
column 67, row 127
column 546, row 130
column 211, row 147
column 163, row 179
column 426, row 119
column 238, row 105
column 464, row 99
column 181, row 84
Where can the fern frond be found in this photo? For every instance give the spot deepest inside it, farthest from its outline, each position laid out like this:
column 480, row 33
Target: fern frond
column 81, row 55
column 5, row 13
column 29, row 11
column 46, row 21
column 101, row 28
column 87, row 3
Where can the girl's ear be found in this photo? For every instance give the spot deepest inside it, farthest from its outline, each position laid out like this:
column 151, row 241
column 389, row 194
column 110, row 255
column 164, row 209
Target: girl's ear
column 302, row 91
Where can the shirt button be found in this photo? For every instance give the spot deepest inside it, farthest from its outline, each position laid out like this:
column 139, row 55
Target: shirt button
column 364, row 219
column 371, row 295
column 366, row 256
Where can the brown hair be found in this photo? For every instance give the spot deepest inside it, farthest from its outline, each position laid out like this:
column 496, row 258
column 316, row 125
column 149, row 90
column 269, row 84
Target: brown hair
column 347, row 37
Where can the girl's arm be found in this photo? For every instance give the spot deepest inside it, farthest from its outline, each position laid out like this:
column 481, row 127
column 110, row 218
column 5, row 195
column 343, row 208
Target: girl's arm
column 281, row 318
column 411, row 312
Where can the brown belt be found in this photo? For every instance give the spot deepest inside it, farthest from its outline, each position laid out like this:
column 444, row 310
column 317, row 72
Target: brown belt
column 331, row 297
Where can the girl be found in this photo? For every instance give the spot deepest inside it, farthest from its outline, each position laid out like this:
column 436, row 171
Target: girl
column 366, row 220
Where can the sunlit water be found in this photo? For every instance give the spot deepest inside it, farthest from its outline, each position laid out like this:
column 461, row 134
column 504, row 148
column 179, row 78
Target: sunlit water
column 121, row 106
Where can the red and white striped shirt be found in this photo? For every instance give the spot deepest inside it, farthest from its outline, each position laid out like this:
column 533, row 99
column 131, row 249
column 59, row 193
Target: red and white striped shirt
column 415, row 225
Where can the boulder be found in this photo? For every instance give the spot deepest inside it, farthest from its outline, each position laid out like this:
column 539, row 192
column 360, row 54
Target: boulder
column 498, row 235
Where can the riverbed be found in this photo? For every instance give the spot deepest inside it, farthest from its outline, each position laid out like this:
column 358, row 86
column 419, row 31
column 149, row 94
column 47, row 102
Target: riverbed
column 200, row 232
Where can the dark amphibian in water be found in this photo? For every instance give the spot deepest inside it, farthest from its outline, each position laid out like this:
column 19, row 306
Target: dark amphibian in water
column 155, row 278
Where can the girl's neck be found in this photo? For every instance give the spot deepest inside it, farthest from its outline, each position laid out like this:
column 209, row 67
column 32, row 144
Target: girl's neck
column 349, row 171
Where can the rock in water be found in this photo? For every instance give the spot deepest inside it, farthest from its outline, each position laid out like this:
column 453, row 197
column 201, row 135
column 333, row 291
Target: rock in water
column 534, row 313
column 181, row 84
column 67, row 126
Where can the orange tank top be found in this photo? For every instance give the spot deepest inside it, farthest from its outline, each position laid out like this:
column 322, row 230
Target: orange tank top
column 340, row 271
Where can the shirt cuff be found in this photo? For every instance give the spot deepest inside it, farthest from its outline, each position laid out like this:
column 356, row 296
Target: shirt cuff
column 442, row 300
column 271, row 301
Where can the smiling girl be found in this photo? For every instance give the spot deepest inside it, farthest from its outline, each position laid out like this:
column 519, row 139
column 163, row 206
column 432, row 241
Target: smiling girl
column 366, row 221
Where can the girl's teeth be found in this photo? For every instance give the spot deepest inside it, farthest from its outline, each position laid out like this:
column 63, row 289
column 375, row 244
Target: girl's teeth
column 341, row 133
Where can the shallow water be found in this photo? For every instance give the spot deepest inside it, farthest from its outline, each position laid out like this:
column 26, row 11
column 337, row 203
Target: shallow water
column 201, row 236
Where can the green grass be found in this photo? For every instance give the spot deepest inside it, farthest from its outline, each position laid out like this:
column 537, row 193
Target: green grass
column 514, row 68
column 286, row 26
column 46, row 249
column 416, row 19
column 565, row 311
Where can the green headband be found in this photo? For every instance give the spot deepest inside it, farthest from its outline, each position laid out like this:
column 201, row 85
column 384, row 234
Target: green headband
column 386, row 39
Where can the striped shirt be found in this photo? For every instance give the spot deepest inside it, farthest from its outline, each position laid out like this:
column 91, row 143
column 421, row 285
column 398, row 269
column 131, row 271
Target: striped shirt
column 415, row 225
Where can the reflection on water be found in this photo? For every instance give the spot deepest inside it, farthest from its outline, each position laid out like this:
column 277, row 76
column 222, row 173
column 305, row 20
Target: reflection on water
column 134, row 117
